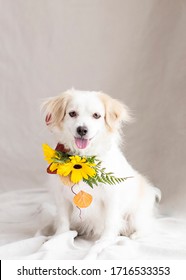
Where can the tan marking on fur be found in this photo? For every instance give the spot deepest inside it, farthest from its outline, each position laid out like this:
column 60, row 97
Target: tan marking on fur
column 115, row 112
column 141, row 187
column 66, row 180
column 56, row 106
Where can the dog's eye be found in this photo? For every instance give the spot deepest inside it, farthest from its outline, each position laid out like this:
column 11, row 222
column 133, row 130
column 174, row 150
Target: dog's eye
column 96, row 116
column 73, row 114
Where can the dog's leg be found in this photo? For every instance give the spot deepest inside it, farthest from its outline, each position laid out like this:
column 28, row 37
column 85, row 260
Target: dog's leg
column 143, row 225
column 143, row 220
column 63, row 217
column 112, row 226
column 63, row 210
column 113, row 220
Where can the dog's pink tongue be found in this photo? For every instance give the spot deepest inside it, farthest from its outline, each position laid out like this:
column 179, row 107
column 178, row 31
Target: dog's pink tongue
column 81, row 143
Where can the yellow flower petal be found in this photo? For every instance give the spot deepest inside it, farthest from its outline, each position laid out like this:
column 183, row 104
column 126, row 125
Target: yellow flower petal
column 83, row 173
column 89, row 170
column 54, row 166
column 75, row 159
column 76, row 176
column 49, row 153
column 64, row 169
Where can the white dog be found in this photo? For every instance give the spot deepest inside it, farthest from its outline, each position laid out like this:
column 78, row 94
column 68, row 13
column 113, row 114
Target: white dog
column 89, row 123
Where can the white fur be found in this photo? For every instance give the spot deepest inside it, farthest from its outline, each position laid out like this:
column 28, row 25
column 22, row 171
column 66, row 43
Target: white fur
column 126, row 208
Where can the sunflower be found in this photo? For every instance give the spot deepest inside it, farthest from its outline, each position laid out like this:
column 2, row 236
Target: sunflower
column 49, row 153
column 78, row 168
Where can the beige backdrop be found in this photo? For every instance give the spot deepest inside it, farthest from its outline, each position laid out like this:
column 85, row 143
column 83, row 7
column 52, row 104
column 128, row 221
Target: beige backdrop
column 133, row 50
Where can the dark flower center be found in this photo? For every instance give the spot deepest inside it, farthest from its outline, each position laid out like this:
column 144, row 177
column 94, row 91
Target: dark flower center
column 77, row 166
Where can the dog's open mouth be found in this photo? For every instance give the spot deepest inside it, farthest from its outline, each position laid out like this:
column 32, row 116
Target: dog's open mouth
column 81, row 143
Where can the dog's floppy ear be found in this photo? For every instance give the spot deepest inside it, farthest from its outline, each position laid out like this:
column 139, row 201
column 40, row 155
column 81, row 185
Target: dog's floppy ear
column 55, row 109
column 115, row 112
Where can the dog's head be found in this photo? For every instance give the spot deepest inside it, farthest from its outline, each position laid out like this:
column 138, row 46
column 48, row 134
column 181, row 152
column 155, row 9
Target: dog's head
column 81, row 118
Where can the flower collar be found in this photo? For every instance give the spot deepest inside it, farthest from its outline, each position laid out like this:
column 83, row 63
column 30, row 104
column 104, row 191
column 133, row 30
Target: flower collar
column 74, row 168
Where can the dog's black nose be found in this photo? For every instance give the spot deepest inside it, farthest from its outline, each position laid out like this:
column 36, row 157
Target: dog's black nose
column 82, row 130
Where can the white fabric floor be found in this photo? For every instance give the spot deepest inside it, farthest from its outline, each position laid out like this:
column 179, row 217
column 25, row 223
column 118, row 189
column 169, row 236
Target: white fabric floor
column 22, row 212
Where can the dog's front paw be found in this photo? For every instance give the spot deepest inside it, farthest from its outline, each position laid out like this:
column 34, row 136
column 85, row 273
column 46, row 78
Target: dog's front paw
column 99, row 246
column 62, row 229
column 139, row 234
column 135, row 235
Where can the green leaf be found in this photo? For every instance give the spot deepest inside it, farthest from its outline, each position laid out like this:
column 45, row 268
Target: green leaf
column 93, row 181
column 112, row 179
column 88, row 182
column 98, row 179
column 59, row 160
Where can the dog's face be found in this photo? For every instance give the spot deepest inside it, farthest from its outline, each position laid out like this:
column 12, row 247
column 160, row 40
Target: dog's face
column 83, row 117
